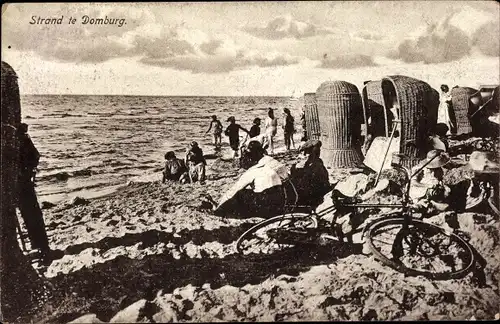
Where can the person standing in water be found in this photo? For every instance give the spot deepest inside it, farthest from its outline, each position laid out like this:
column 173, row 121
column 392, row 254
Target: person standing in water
column 217, row 130
column 233, row 132
column 288, row 129
column 255, row 129
column 271, row 129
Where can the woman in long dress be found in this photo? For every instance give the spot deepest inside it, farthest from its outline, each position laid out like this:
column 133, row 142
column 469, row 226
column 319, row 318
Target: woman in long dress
column 271, row 127
column 445, row 110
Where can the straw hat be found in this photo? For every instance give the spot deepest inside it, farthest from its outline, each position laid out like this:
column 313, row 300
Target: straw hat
column 439, row 159
column 231, row 118
column 310, row 144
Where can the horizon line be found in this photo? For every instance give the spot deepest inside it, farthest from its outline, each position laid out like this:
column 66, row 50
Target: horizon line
column 145, row 95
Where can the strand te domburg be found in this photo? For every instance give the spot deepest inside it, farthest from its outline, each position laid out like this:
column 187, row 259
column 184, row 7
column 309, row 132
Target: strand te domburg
column 85, row 20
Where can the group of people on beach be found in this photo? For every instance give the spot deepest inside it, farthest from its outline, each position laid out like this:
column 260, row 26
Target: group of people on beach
column 267, row 138
column 192, row 167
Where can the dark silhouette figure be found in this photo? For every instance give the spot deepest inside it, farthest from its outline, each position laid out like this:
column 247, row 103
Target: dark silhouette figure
column 28, row 202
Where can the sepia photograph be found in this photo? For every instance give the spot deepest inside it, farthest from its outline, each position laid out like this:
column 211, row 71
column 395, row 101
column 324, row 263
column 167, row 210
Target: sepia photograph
column 250, row 161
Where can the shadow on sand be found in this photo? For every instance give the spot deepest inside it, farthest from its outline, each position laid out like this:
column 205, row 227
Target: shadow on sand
column 106, row 288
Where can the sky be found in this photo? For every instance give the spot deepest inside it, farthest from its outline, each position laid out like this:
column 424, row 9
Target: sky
column 248, row 48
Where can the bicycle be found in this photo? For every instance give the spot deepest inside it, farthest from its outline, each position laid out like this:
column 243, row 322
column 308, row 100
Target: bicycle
column 417, row 247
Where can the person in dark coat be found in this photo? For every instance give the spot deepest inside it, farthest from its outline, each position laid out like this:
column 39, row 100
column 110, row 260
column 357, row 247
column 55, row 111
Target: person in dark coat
column 28, row 202
column 310, row 176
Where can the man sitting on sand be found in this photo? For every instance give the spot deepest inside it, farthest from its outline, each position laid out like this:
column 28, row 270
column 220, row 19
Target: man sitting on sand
column 310, row 176
column 175, row 169
column 196, row 163
column 259, row 192
column 427, row 188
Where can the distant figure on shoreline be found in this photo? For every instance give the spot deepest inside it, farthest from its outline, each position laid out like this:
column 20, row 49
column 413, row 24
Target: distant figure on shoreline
column 28, row 202
column 271, row 127
column 196, row 163
column 233, row 132
column 175, row 169
column 217, row 131
column 255, row 129
column 288, row 129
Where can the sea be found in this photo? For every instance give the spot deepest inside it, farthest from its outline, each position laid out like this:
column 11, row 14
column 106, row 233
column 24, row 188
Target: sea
column 93, row 145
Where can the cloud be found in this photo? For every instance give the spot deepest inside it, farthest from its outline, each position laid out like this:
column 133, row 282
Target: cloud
column 150, row 42
column 486, row 40
column 215, row 56
column 367, row 36
column 438, row 43
column 451, row 39
column 286, row 27
column 346, row 62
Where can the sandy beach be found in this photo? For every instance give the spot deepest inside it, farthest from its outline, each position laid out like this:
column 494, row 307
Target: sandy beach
column 149, row 253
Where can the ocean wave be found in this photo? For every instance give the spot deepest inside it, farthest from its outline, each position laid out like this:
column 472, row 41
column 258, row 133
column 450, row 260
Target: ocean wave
column 62, row 115
column 64, row 175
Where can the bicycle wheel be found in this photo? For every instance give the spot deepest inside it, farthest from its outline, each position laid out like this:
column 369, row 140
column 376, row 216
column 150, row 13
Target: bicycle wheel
column 420, row 249
column 277, row 233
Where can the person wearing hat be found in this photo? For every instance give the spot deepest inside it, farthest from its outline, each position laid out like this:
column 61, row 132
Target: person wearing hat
column 175, row 169
column 310, row 176
column 427, row 189
column 196, row 163
column 485, row 182
column 288, row 129
column 233, row 132
column 217, row 130
column 258, row 191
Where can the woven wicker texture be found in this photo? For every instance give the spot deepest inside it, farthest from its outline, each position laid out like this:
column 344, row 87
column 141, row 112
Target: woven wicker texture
column 419, row 104
column 374, row 108
column 340, row 115
column 311, row 114
column 461, row 105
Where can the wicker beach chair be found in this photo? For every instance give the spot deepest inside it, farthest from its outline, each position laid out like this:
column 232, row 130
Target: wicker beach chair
column 311, row 115
column 340, row 115
column 418, row 105
column 460, row 98
column 375, row 110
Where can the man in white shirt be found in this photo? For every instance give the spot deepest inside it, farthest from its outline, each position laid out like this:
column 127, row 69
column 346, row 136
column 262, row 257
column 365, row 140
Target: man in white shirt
column 259, row 191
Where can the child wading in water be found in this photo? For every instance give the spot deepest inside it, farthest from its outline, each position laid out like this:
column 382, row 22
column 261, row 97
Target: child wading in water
column 233, row 132
column 217, row 131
